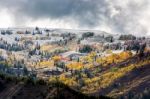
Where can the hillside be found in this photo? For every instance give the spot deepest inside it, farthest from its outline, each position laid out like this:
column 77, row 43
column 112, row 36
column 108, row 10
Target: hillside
column 86, row 63
column 26, row 88
column 133, row 85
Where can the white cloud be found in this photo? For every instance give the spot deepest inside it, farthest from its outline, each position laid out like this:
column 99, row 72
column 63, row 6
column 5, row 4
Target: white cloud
column 51, row 23
column 116, row 16
column 5, row 19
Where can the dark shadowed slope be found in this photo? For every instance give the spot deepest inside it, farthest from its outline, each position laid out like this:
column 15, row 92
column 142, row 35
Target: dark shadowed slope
column 28, row 89
column 134, row 84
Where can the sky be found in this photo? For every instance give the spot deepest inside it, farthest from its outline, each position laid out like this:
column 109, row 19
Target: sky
column 115, row 16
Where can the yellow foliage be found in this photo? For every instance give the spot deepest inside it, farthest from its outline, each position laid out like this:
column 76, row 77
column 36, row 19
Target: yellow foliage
column 56, row 58
column 75, row 65
column 109, row 51
column 92, row 54
column 68, row 81
column 114, row 58
column 88, row 65
column 109, row 77
column 46, row 47
column 45, row 64
column 89, row 58
column 125, row 55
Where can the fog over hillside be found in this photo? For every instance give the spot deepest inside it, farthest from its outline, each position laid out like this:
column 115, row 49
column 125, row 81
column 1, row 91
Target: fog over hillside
column 115, row 16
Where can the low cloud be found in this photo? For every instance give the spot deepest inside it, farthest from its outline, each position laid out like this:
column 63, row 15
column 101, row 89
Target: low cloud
column 127, row 16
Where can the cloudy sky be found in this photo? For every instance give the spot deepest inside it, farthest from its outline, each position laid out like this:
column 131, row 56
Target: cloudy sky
column 116, row 16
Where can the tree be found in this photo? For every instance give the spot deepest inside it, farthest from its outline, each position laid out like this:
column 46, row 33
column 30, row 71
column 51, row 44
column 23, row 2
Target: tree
column 86, row 49
column 87, row 34
column 37, row 28
column 127, row 37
